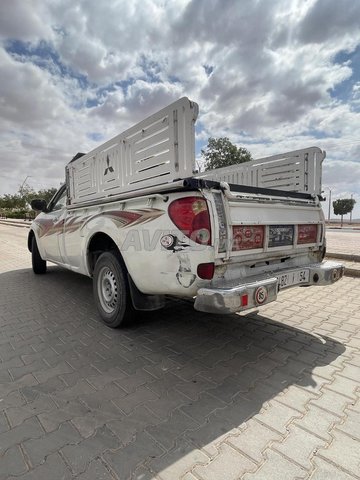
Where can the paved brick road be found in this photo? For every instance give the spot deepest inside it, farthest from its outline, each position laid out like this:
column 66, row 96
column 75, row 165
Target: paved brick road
column 181, row 395
column 343, row 241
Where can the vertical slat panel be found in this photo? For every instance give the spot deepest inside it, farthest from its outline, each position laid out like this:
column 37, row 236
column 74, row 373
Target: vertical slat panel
column 158, row 150
column 298, row 171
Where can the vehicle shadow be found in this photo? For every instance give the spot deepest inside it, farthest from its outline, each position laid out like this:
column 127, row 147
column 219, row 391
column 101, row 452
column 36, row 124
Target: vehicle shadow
column 149, row 395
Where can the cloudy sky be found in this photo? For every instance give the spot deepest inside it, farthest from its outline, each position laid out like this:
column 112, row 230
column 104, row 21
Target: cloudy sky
column 272, row 75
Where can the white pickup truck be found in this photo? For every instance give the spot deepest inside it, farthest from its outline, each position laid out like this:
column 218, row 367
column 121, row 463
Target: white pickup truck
column 133, row 216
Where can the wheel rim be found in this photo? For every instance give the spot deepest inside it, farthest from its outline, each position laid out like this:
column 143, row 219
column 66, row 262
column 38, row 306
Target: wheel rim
column 107, row 288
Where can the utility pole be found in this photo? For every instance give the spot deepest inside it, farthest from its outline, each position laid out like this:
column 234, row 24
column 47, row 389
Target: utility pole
column 23, row 183
column 329, row 204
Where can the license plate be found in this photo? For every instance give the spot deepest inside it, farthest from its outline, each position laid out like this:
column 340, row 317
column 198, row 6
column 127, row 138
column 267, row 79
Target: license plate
column 293, row 278
column 281, row 235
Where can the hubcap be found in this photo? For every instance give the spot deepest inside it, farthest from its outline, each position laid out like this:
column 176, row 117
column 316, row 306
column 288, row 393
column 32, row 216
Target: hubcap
column 107, row 289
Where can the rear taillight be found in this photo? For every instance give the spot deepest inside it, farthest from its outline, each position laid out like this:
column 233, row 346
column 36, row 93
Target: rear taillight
column 191, row 216
column 307, row 234
column 248, row 237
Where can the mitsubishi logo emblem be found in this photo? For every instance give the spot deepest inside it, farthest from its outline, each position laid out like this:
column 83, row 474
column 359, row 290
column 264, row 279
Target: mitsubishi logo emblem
column 109, row 168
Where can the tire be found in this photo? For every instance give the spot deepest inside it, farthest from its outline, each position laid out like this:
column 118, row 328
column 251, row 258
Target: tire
column 38, row 264
column 111, row 290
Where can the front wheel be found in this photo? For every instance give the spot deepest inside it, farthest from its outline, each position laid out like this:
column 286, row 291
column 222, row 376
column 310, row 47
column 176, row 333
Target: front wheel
column 38, row 264
column 111, row 290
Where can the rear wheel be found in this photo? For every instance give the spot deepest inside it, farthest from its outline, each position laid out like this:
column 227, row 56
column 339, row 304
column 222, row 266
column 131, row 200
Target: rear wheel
column 111, row 290
column 38, row 264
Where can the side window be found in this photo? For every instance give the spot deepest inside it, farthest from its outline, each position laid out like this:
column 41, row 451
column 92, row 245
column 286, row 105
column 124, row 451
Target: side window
column 60, row 202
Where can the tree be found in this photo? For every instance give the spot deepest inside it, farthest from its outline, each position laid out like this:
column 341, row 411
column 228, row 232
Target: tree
column 220, row 152
column 13, row 201
column 45, row 194
column 343, row 206
column 19, row 203
column 26, row 193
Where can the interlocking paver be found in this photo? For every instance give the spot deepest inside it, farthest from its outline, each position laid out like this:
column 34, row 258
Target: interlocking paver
column 277, row 416
column 324, row 470
column 25, row 381
column 140, row 396
column 188, row 476
column 351, row 424
column 14, row 362
column 299, row 446
column 177, row 462
column 167, row 432
column 71, row 378
column 332, row 401
column 355, row 405
column 47, row 354
column 195, row 397
column 228, row 464
column 12, row 463
column 17, row 415
column 220, row 425
column 194, row 388
column 52, row 468
column 343, row 451
column 29, row 429
column 126, row 427
column 96, row 470
column 4, row 425
column 203, row 407
column 276, row 467
column 355, row 360
column 38, row 449
column 253, row 440
column 95, row 399
column 132, row 382
column 344, row 386
column 13, row 399
column 52, row 419
column 318, row 422
column 31, row 393
column 123, row 462
column 295, row 397
column 80, row 456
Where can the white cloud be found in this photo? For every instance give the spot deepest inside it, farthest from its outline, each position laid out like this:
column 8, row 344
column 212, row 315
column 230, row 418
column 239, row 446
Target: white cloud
column 24, row 20
column 274, row 76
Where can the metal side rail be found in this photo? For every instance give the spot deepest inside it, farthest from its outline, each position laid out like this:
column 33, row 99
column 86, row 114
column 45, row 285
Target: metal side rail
column 261, row 290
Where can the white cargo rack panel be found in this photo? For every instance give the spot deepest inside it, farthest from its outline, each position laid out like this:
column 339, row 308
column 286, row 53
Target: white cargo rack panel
column 156, row 151
column 297, row 171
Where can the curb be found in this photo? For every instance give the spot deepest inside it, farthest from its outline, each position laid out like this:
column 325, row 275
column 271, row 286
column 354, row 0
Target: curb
column 343, row 228
column 344, row 256
column 352, row 272
column 349, row 271
column 14, row 223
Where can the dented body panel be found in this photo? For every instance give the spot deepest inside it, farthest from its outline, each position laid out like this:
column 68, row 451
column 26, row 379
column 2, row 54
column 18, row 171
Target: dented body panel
column 138, row 227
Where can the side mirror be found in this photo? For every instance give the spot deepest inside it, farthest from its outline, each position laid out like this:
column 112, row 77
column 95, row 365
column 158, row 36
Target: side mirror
column 39, row 205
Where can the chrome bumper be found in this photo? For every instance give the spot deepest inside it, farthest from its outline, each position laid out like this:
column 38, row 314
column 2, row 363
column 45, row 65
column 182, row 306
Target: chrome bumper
column 259, row 291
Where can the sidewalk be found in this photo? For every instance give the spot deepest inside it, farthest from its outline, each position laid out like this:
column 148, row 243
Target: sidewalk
column 16, row 222
column 344, row 246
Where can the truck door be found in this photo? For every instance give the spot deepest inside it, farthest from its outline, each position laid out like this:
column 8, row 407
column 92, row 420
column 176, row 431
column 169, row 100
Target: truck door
column 52, row 227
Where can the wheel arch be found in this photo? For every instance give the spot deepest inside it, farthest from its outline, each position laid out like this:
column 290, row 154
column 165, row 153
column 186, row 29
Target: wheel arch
column 34, row 233
column 100, row 242
column 31, row 235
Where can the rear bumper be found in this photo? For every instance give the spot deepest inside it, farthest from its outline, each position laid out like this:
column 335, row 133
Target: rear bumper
column 259, row 291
